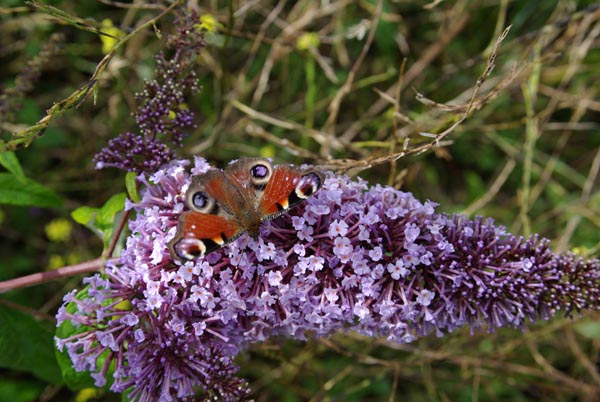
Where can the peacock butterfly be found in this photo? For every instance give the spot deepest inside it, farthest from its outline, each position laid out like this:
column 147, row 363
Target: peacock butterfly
column 223, row 204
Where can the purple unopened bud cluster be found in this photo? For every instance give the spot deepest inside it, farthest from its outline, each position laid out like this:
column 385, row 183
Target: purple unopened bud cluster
column 368, row 259
column 163, row 115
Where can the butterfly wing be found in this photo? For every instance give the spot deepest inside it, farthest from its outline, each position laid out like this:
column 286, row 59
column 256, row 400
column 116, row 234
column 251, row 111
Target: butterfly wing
column 198, row 234
column 272, row 190
column 213, row 201
column 287, row 187
column 250, row 175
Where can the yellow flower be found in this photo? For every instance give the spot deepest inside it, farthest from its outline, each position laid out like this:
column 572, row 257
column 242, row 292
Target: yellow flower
column 209, row 23
column 58, row 230
column 88, row 393
column 268, row 151
column 55, row 261
column 307, row 41
column 173, row 113
column 73, row 258
column 108, row 42
column 581, row 251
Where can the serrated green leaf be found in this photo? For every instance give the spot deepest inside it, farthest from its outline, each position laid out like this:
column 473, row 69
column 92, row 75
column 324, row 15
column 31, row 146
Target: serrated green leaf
column 16, row 190
column 107, row 212
column 84, row 215
column 131, row 186
column 11, row 163
column 28, row 346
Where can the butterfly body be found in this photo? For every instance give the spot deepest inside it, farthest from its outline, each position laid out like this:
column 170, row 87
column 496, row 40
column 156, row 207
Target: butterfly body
column 223, row 204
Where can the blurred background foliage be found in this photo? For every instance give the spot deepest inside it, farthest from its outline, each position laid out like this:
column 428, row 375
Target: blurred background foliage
column 528, row 155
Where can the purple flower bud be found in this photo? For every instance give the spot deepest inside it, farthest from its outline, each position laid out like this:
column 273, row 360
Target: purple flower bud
column 162, row 115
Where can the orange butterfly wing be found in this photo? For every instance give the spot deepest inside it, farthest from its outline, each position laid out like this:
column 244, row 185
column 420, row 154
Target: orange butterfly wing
column 202, row 230
column 288, row 187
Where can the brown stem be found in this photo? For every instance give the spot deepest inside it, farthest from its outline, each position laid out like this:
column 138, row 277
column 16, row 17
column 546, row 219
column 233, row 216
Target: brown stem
column 41, row 277
column 115, row 239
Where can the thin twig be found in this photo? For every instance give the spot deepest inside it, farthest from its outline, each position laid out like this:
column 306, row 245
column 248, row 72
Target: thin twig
column 334, row 107
column 585, row 197
column 138, row 5
column 411, row 74
column 494, row 188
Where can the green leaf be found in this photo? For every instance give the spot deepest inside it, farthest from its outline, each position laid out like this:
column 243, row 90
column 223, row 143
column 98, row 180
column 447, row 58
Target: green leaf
column 214, row 39
column 20, row 389
column 588, row 329
column 11, row 163
column 16, row 190
column 28, row 346
column 84, row 215
column 75, row 380
column 131, row 185
column 101, row 220
column 107, row 212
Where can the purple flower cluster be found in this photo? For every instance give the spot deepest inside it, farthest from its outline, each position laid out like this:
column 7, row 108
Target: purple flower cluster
column 163, row 114
column 369, row 259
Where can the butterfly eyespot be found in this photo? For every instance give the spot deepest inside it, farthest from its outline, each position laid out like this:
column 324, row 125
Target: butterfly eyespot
column 189, row 248
column 308, row 185
column 201, row 202
column 260, row 173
